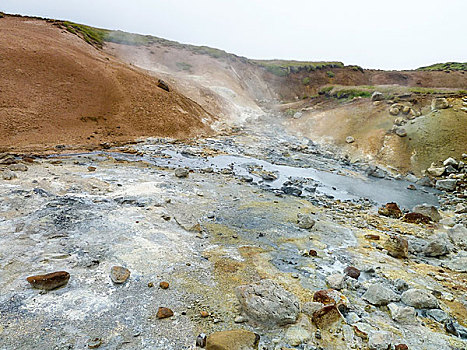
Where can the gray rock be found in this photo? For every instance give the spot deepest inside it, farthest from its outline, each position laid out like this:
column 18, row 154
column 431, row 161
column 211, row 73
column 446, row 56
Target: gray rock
column 452, row 162
column 377, row 295
column 451, row 170
column 437, row 247
column 458, row 235
column 18, row 167
column 349, row 139
column 335, row 281
column 419, row 298
column 401, row 132
column 380, row 340
column 438, row 315
column 377, row 96
column 305, row 221
column 375, row 172
column 439, row 103
column 436, row 171
column 424, row 181
column 119, row 274
column 461, row 208
column 446, row 185
column 310, row 307
column 181, row 172
column 403, row 314
column 428, row 210
column 8, row 175
column 267, row 303
column 458, row 263
column 296, row 335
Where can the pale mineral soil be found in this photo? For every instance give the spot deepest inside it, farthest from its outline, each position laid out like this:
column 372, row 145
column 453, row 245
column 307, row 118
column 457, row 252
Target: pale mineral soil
column 205, row 234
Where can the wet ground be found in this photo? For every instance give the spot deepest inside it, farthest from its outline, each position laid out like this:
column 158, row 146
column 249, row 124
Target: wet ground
column 232, row 221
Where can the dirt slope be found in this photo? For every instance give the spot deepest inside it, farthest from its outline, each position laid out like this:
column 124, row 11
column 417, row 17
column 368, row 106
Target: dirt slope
column 57, row 89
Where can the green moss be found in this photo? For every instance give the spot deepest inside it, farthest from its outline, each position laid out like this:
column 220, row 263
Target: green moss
column 290, row 112
column 306, row 81
column 448, row 66
column 330, row 74
column 283, row 68
column 93, row 36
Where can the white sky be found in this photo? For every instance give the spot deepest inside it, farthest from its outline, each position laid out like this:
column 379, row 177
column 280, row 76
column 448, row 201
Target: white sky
column 385, row 34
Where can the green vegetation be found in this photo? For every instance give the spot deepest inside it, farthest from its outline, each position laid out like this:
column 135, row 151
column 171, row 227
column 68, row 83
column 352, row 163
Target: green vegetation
column 283, row 68
column 356, row 68
column 306, row 81
column 330, row 74
column 346, row 92
column 448, row 66
column 290, row 112
column 183, row 66
column 2, row 15
column 93, row 36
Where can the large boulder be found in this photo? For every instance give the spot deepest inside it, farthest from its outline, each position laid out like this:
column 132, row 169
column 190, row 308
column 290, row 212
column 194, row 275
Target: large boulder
column 439, row 103
column 237, row 339
column 434, row 170
column 458, row 235
column 397, row 246
column 419, row 298
column 427, row 210
column 458, row 263
column 403, row 314
column 377, row 96
column 268, row 304
column 377, row 294
column 390, row 210
column 446, row 185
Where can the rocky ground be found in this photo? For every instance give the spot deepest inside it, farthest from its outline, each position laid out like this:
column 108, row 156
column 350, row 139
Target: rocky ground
column 255, row 230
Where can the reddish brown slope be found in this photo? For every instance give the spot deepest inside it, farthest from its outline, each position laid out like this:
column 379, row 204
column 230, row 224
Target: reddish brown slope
column 56, row 89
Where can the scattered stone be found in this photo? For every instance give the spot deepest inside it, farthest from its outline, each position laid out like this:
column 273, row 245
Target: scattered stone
column 416, row 218
column 327, row 316
column 400, row 121
column 374, row 171
column 239, row 339
column 268, row 303
column 401, row 132
column 18, row 167
column 439, row 103
column 428, row 210
column 436, row 171
column 163, row 85
column 296, row 335
column 94, row 343
column 240, row 319
column 458, row 235
column 164, row 312
column 378, row 295
column 312, row 252
column 268, row 176
column 204, row 314
column 411, row 187
column 330, row 297
column 181, row 172
column 150, row 284
column 419, row 299
column 119, row 274
column 201, row 340
column 377, row 96
column 305, row 221
column 452, row 162
column 424, row 181
column 352, row 272
column 390, row 210
column 91, row 168
column 458, row 263
column 403, row 314
column 401, row 347
column 8, row 175
column 49, row 281
column 349, row 139
column 446, row 184
column 438, row 315
column 372, row 237
column 7, row 159
column 294, row 191
column 397, row 246
column 335, row 281
column 310, row 307
column 394, row 111
column 461, row 208
column 380, row 340
column 164, row 285
column 436, row 247
column 406, row 109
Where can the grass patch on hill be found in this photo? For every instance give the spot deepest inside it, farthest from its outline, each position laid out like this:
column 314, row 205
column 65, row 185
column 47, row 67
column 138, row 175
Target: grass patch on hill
column 348, row 93
column 283, row 68
column 93, row 36
column 450, row 66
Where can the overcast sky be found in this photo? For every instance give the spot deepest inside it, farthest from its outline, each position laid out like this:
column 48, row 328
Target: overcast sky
column 391, row 34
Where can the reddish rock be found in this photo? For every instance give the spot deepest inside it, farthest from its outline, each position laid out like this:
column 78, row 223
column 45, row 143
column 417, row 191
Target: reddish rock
column 402, row 347
column 164, row 285
column 49, row 281
column 119, row 274
column 391, row 210
column 327, row 316
column 416, row 218
column 313, row 252
column 91, row 168
column 372, row 237
column 204, row 314
column 329, row 297
column 164, row 312
column 352, row 272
